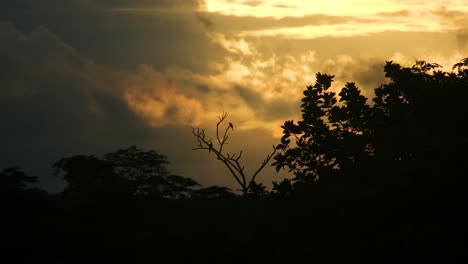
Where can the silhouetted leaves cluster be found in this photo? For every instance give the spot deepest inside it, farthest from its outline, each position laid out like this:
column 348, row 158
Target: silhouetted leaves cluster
column 410, row 140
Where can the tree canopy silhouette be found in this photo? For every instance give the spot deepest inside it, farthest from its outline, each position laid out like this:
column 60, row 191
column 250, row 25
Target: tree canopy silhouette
column 410, row 140
column 129, row 172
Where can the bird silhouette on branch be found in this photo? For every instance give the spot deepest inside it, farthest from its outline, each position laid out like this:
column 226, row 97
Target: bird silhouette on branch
column 231, row 161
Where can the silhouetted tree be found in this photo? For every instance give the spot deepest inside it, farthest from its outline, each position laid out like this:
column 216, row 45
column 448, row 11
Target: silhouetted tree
column 178, row 187
column 28, row 216
column 231, row 161
column 89, row 177
column 13, row 179
column 147, row 173
column 330, row 139
column 16, row 188
column 407, row 141
column 131, row 172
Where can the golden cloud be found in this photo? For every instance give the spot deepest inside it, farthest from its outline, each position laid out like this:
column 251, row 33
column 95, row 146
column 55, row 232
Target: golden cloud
column 149, row 94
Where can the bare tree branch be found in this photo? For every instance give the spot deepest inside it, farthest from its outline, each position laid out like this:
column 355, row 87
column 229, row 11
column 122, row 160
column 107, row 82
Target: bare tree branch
column 264, row 163
column 205, row 144
column 231, row 161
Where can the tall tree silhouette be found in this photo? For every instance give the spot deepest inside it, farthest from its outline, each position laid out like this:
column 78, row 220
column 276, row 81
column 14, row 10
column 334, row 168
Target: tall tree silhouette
column 231, row 161
column 329, row 140
column 409, row 140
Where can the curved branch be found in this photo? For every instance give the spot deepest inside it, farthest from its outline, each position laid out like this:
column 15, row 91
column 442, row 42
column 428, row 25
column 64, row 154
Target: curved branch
column 232, row 162
column 264, row 163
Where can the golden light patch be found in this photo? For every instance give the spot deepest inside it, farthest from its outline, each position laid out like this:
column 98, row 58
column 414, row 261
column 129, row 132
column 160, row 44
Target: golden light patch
column 150, row 95
column 234, row 46
column 349, row 30
column 299, row 8
column 165, row 107
column 365, row 17
column 261, row 86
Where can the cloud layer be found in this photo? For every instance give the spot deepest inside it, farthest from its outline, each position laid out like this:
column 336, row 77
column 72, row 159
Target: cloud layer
column 56, row 103
column 86, row 77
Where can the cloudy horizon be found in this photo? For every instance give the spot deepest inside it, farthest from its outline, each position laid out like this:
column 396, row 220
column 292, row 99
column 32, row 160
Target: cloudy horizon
column 91, row 76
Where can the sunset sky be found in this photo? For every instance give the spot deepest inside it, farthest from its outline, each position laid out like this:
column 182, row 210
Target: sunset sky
column 92, row 76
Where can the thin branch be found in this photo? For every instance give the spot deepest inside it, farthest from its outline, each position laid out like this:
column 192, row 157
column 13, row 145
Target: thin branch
column 231, row 161
column 264, row 162
column 205, row 145
column 222, row 141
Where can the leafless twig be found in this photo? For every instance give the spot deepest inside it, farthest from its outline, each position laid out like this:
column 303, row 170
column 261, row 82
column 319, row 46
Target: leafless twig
column 231, row 161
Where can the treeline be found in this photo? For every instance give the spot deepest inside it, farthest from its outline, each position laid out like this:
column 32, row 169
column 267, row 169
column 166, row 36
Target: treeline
column 381, row 180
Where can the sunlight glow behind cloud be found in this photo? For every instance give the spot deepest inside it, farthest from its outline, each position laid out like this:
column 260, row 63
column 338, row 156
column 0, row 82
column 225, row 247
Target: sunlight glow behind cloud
column 349, row 29
column 298, row 8
column 380, row 16
column 262, row 86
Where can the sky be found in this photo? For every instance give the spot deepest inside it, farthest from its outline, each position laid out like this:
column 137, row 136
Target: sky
column 93, row 76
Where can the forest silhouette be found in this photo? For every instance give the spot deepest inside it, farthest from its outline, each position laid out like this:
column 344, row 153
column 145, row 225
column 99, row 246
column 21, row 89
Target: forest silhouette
column 371, row 180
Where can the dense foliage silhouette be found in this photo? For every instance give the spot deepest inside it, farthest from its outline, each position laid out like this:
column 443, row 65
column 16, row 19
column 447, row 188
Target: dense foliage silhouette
column 409, row 142
column 377, row 181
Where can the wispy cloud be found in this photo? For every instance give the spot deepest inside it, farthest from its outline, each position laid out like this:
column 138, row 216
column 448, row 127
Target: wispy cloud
column 402, row 24
column 300, row 8
column 358, row 17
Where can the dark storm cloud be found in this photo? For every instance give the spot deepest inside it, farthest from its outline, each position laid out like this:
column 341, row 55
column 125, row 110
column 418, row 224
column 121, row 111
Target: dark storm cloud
column 47, row 108
column 165, row 34
column 54, row 102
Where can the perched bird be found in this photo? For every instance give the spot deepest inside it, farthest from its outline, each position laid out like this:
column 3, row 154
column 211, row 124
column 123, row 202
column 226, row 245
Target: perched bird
column 231, row 126
column 210, row 147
